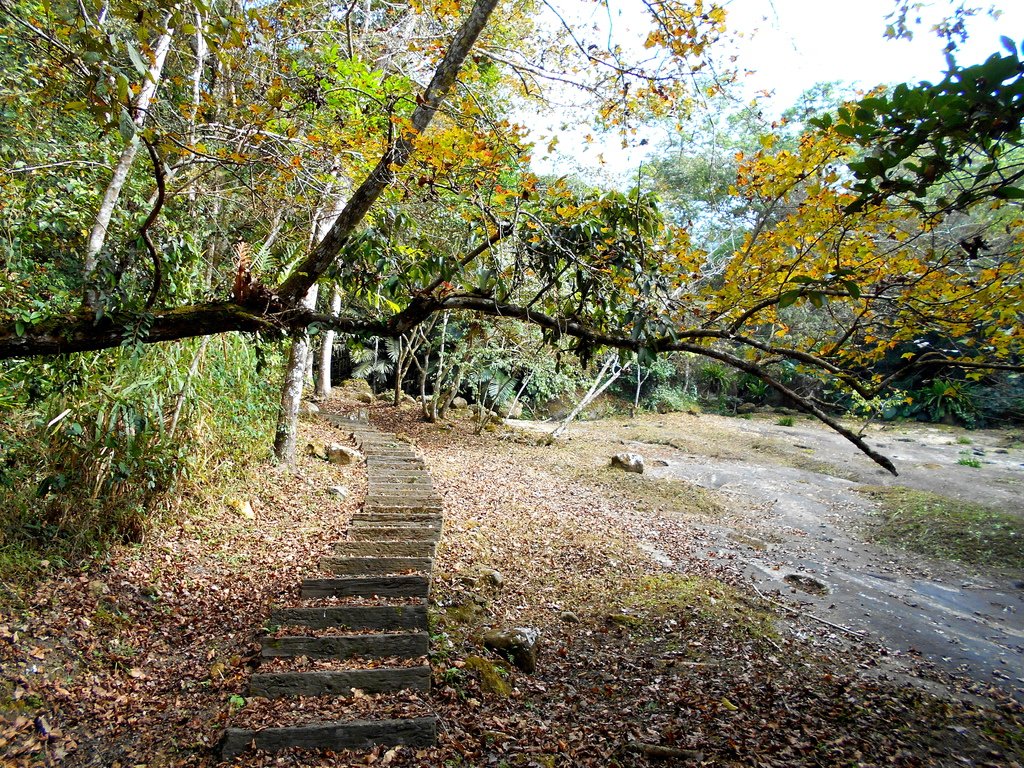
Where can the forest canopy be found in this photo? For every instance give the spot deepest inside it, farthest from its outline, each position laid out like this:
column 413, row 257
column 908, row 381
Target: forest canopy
column 182, row 170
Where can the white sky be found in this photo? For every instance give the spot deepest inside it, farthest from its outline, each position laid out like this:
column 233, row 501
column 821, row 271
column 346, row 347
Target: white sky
column 793, row 44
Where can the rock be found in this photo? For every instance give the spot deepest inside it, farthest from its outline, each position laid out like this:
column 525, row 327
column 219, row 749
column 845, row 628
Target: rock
column 342, row 454
column 631, row 462
column 569, row 617
column 354, row 386
column 460, row 402
column 307, row 408
column 515, row 412
column 745, row 408
column 365, row 397
column 316, row 452
column 659, row 463
column 491, row 678
column 338, row 490
column 492, row 577
column 409, row 400
column 519, row 645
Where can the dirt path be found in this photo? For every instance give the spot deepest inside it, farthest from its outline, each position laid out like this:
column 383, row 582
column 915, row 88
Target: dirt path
column 795, row 526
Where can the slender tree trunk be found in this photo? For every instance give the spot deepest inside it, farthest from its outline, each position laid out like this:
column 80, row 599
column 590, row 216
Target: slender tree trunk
column 595, row 391
column 98, row 233
column 323, row 381
column 291, row 391
column 298, row 356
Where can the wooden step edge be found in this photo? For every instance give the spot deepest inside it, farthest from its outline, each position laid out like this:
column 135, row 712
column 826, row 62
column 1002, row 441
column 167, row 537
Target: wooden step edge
column 352, row 734
column 353, row 617
column 386, row 586
column 386, row 532
column 277, row 685
column 375, row 565
column 405, row 645
column 385, row 548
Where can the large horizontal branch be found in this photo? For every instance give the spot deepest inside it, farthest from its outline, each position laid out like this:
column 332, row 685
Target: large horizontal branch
column 83, row 333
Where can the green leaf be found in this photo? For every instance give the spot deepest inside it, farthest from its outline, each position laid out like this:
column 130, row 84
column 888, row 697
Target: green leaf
column 126, row 125
column 788, row 298
column 853, row 288
column 136, row 57
column 817, row 299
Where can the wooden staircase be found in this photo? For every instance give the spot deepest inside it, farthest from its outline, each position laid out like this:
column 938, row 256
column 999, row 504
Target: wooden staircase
column 388, row 557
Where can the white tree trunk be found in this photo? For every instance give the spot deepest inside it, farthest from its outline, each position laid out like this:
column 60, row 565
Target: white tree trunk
column 291, row 391
column 595, row 391
column 98, row 233
column 298, row 356
column 323, row 382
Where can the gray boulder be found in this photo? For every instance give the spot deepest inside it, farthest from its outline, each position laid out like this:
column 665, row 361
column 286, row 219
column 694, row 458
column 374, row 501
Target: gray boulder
column 519, row 645
column 630, row 462
column 307, row 408
column 342, row 454
column 460, row 402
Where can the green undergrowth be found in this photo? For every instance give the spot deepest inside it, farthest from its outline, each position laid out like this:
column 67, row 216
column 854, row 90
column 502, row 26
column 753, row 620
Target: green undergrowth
column 97, row 448
column 948, row 529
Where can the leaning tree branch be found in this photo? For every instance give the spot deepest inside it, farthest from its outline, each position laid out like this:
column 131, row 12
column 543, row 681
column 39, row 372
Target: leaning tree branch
column 400, row 149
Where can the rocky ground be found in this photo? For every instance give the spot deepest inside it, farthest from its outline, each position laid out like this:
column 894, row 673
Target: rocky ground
column 656, row 646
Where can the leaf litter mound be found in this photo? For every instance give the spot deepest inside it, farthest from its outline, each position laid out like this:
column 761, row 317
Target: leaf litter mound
column 142, row 658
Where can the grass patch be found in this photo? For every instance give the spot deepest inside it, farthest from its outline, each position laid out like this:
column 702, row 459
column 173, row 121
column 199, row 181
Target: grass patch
column 967, row 460
column 785, row 421
column 711, row 603
column 946, row 528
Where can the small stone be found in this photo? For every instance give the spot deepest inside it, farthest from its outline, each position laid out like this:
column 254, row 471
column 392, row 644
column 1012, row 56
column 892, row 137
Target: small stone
column 316, row 452
column 745, row 408
column 307, row 408
column 98, row 588
column 630, row 462
column 460, row 402
column 242, row 508
column 338, row 490
column 569, row 617
column 519, row 645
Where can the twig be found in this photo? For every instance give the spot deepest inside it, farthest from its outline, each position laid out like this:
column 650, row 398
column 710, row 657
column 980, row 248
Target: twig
column 161, row 193
column 859, row 634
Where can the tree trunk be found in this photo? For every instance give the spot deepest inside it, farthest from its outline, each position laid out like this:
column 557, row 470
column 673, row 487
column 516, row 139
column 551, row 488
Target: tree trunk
column 323, row 381
column 98, row 233
column 291, row 391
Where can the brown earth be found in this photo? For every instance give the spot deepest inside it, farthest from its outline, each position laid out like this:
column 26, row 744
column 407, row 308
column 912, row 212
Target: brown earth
column 654, row 642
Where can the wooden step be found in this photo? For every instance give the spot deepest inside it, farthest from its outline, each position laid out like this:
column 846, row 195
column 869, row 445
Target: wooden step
column 432, row 501
column 353, row 734
column 384, row 548
column 381, row 586
column 382, row 617
column 401, row 486
column 375, row 566
column 401, row 518
column 387, row 531
column 396, row 521
column 407, row 645
column 276, row 685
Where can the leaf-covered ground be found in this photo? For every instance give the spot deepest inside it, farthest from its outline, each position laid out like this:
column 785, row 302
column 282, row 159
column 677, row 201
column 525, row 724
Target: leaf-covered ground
column 140, row 659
